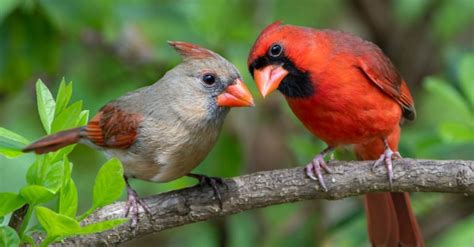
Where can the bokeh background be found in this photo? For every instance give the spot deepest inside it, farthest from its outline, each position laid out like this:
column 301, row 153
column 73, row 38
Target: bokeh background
column 110, row 47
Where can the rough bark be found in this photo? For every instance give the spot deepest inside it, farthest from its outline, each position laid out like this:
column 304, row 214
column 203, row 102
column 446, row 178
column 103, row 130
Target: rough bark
column 261, row 189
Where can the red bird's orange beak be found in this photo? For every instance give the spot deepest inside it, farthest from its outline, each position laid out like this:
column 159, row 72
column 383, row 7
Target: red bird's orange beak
column 235, row 95
column 269, row 78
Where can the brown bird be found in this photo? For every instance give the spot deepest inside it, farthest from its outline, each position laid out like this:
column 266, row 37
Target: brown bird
column 162, row 131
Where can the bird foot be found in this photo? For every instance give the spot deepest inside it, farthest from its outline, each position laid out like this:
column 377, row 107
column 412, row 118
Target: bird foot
column 313, row 170
column 132, row 208
column 213, row 182
column 386, row 158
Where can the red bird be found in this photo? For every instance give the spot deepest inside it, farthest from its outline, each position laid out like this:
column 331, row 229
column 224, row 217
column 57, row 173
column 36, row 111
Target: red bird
column 346, row 92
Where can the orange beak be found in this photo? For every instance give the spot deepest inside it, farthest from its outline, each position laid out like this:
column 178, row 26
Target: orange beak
column 235, row 95
column 269, row 78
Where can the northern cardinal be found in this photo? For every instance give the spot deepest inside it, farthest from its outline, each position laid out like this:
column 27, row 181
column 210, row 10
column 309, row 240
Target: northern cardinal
column 346, row 92
column 162, row 131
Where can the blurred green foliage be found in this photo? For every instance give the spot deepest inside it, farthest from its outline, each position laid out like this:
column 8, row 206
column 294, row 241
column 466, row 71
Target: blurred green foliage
column 110, row 47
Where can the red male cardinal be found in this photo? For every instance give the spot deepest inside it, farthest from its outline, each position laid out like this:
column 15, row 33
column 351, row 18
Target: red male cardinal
column 345, row 91
column 161, row 132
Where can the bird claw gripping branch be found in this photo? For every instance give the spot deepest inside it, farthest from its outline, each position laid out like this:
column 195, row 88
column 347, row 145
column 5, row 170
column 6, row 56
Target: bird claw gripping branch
column 386, row 158
column 213, row 182
column 132, row 205
column 314, row 168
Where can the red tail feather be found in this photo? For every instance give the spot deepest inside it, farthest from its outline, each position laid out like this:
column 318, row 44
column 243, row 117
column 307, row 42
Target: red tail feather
column 390, row 218
column 54, row 142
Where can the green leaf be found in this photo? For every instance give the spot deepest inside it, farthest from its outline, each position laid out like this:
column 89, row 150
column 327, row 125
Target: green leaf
column 109, row 183
column 34, row 171
column 10, row 202
column 466, row 76
column 108, row 186
column 11, row 143
column 47, row 174
column 46, row 105
column 63, row 96
column 52, row 176
column 68, row 118
column 83, row 118
column 67, row 171
column 8, row 237
column 68, row 199
column 56, row 225
column 102, row 226
column 36, row 194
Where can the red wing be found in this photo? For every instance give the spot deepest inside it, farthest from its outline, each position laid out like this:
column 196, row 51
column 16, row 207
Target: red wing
column 113, row 127
column 382, row 73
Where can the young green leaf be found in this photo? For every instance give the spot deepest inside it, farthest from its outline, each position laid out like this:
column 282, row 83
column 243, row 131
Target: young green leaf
column 83, row 117
column 67, row 171
column 109, row 183
column 46, row 105
column 8, row 237
column 102, row 226
column 56, row 225
column 34, row 171
column 68, row 199
column 11, row 143
column 47, row 174
column 63, row 96
column 10, row 202
column 52, row 175
column 36, row 194
column 68, row 118
column 108, row 186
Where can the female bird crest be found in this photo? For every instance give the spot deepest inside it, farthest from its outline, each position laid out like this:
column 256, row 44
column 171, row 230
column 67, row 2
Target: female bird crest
column 191, row 51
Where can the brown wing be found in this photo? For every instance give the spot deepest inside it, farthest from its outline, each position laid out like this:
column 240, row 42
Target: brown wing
column 378, row 68
column 114, row 128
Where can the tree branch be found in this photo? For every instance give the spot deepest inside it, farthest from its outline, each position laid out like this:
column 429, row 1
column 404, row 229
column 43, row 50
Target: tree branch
column 261, row 189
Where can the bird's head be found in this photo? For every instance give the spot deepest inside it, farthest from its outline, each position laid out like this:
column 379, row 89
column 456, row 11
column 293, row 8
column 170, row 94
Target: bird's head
column 279, row 59
column 207, row 79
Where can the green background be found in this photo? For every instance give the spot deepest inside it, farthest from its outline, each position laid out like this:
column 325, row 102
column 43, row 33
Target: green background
column 113, row 46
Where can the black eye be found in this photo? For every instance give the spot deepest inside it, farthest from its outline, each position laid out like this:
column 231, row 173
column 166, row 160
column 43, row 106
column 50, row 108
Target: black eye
column 209, row 79
column 275, row 50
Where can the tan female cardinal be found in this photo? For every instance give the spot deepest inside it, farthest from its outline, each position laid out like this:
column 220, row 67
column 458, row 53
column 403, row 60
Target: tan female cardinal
column 161, row 132
column 345, row 91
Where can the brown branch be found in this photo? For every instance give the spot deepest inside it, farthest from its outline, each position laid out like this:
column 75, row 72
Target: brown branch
column 273, row 187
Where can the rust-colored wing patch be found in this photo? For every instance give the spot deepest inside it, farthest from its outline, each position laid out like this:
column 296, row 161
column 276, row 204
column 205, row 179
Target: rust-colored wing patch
column 382, row 73
column 114, row 128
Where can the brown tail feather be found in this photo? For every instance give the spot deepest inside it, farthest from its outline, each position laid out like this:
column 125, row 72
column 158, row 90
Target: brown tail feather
column 390, row 218
column 54, row 142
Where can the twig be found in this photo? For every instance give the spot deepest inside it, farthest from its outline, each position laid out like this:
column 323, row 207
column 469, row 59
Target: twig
column 267, row 188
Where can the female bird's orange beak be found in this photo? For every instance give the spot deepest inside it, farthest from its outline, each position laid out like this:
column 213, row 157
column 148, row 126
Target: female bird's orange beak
column 269, row 78
column 235, row 95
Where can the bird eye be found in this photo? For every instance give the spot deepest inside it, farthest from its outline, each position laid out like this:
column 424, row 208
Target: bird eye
column 275, row 50
column 209, row 79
